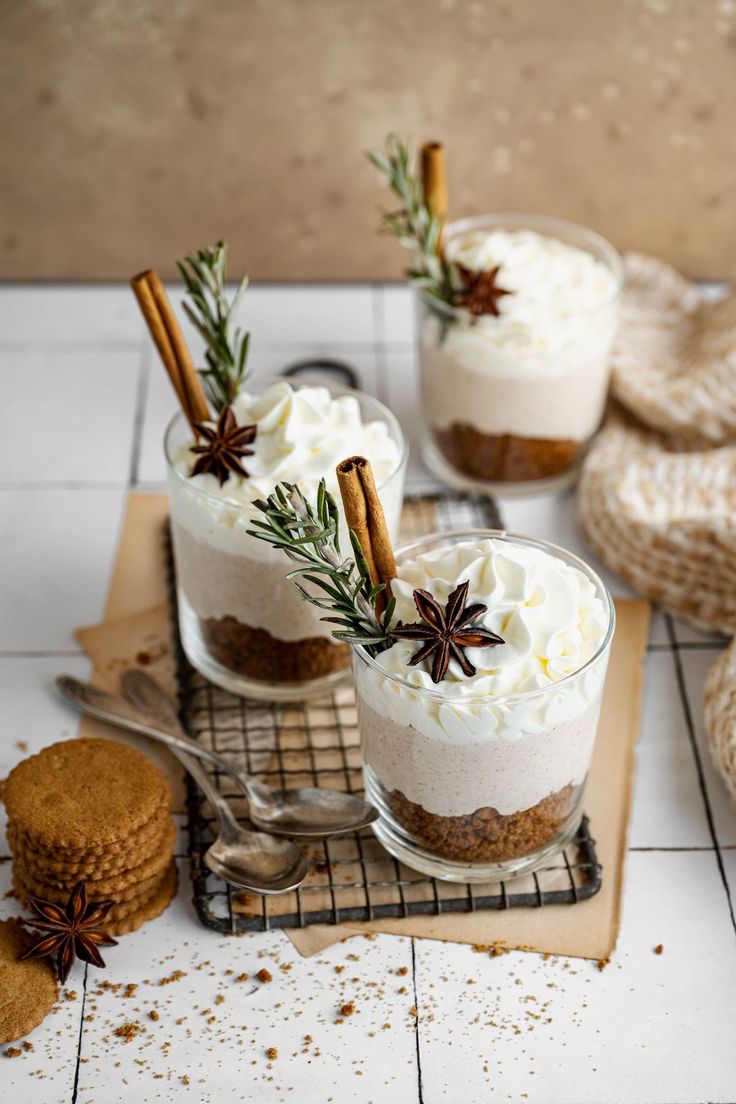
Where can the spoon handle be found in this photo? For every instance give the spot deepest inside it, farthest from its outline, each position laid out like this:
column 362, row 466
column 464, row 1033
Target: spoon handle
column 107, row 707
column 150, row 698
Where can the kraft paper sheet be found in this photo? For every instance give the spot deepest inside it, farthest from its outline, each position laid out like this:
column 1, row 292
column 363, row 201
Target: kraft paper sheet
column 136, row 630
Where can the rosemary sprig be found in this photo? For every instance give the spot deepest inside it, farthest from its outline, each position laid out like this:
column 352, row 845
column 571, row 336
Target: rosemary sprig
column 204, row 274
column 308, row 534
column 413, row 224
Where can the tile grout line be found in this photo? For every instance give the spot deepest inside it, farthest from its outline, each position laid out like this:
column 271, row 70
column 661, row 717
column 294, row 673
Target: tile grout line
column 63, row 485
column 75, row 1088
column 420, row 1086
column 379, row 334
column 679, row 674
column 683, row 848
column 139, row 415
column 42, row 653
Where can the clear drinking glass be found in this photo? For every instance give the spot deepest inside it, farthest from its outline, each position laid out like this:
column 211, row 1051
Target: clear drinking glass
column 241, row 623
column 487, row 787
column 509, row 407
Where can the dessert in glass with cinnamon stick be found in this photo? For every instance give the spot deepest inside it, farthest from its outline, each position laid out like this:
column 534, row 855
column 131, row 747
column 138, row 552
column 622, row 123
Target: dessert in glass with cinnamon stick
column 516, row 318
column 479, row 661
column 242, row 625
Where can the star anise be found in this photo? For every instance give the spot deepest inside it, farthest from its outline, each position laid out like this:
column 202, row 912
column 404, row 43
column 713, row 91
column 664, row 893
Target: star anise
column 224, row 446
column 73, row 930
column 447, row 631
column 481, row 292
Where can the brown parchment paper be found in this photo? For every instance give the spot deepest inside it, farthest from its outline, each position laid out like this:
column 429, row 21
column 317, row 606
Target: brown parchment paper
column 136, row 630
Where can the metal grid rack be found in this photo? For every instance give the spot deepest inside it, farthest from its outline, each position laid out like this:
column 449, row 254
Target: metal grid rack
column 316, row 743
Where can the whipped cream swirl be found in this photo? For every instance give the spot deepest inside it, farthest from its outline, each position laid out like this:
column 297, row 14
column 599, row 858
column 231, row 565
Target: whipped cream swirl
column 552, row 621
column 563, row 306
column 303, row 434
column 550, row 279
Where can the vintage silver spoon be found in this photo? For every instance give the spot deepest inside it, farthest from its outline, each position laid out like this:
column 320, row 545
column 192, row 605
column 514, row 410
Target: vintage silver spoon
column 247, row 859
column 308, row 813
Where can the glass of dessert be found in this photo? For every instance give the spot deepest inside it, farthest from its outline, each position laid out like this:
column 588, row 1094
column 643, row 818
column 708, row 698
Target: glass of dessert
column 515, row 371
column 517, row 315
column 479, row 660
column 478, row 722
column 242, row 624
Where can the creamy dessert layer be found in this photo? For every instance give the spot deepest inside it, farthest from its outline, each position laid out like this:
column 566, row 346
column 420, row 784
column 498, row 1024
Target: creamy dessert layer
column 302, row 434
column 234, row 582
column 522, row 727
column 540, row 369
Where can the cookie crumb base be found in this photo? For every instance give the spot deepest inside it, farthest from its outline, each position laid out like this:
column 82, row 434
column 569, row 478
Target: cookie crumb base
column 505, row 458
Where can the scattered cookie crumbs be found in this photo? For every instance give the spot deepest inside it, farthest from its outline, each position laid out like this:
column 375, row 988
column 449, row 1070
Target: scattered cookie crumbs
column 184, row 1079
column 339, row 969
column 659, row 949
column 28, row 1045
column 13, row 1052
column 177, row 975
column 413, row 1011
column 480, row 948
column 219, row 999
column 22, row 745
column 401, row 990
column 130, row 989
column 272, row 1054
column 70, row 994
column 402, row 971
column 264, row 975
column 242, row 977
column 308, row 1039
column 347, row 1009
column 602, row 963
column 153, row 1015
column 127, row 1031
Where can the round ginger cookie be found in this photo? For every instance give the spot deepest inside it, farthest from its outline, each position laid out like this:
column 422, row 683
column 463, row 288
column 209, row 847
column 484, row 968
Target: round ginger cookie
column 28, row 990
column 109, row 860
column 155, row 905
column 129, row 916
column 99, row 880
column 131, row 900
column 84, row 793
column 135, row 890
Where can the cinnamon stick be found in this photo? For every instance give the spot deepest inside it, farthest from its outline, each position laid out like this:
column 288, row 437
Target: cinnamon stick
column 364, row 515
column 169, row 340
column 434, row 179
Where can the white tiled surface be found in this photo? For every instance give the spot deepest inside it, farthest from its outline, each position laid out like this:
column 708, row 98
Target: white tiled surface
column 647, row 1030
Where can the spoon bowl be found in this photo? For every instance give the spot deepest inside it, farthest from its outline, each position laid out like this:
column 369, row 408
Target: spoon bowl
column 257, row 862
column 308, row 813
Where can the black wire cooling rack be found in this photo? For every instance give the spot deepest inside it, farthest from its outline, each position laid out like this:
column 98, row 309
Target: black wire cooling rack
column 316, row 743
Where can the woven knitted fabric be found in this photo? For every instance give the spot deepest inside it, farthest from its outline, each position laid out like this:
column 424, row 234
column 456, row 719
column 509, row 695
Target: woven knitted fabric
column 674, row 359
column 664, row 520
column 720, row 715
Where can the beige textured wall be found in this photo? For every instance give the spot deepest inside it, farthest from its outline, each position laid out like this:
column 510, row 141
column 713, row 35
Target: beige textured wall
column 133, row 131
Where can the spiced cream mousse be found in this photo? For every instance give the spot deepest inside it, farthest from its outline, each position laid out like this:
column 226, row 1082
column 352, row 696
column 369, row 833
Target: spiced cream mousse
column 513, row 394
column 236, row 605
column 488, row 768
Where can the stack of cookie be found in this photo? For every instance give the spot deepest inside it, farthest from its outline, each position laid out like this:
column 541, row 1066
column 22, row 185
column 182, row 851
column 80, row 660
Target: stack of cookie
column 95, row 811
